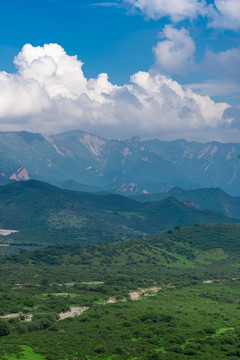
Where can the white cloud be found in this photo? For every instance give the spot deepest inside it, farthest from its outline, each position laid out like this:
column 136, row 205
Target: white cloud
column 177, row 10
column 55, row 72
column 224, row 71
column 215, row 87
column 49, row 93
column 224, row 64
column 227, row 14
column 173, row 106
column 221, row 13
column 175, row 54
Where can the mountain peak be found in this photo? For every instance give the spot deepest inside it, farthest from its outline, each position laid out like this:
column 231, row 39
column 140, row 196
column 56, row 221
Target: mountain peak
column 20, row 174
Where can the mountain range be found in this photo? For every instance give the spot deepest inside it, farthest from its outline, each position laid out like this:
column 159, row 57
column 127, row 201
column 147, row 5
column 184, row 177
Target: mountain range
column 130, row 166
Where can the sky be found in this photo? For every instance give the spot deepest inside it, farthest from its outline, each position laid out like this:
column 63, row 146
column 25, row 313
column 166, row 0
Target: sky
column 163, row 69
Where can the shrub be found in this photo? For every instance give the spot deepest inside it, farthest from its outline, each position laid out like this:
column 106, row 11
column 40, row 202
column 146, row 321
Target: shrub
column 175, row 348
column 209, row 330
column 127, row 324
column 154, row 356
column 190, row 352
column 21, row 328
column 33, row 326
column 99, row 350
column 4, row 328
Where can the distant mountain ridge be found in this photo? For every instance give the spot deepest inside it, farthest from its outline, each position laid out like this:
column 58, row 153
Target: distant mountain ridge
column 46, row 214
column 130, row 166
column 209, row 198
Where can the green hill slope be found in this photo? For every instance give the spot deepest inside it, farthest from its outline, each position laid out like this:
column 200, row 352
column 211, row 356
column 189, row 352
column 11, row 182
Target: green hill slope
column 46, row 214
column 190, row 246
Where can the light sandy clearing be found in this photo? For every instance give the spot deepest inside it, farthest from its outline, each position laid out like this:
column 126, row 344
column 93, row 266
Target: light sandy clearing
column 135, row 295
column 92, row 282
column 58, row 294
column 154, row 289
column 7, row 232
column 11, row 316
column 74, row 311
column 111, row 300
column 27, row 318
column 70, row 284
column 216, row 280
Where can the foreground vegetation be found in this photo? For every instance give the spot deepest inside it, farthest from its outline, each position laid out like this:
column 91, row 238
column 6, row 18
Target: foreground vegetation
column 186, row 282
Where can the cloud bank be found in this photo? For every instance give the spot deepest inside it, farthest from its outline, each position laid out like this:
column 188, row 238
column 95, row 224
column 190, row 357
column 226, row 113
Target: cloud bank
column 49, row 93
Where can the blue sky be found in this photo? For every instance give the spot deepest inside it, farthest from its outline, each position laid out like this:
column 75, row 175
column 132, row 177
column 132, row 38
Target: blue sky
column 105, row 38
column 172, row 65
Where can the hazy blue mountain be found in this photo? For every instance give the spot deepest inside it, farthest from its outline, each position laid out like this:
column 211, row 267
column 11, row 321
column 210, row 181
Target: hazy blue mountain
column 75, row 186
column 206, row 198
column 210, row 164
column 130, row 166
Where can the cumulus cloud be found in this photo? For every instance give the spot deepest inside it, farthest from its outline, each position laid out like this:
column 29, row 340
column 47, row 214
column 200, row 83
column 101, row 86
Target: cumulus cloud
column 174, row 54
column 49, row 93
